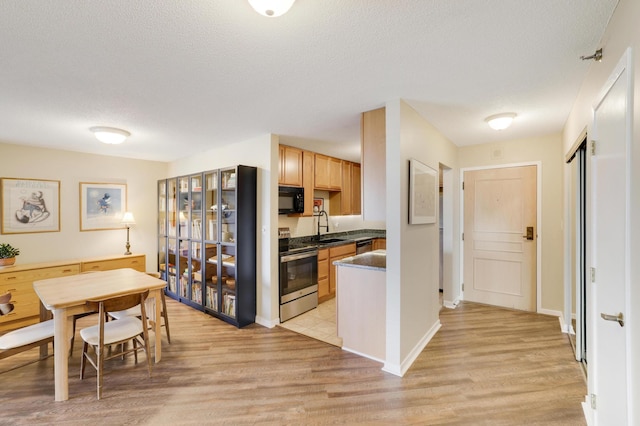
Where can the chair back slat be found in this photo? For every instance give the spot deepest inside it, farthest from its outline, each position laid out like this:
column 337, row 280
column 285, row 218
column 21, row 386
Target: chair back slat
column 119, row 303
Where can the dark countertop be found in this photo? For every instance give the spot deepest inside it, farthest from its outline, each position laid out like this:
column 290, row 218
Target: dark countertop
column 344, row 237
column 374, row 260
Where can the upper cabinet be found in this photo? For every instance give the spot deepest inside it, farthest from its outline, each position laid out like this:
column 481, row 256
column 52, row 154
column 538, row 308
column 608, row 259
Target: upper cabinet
column 328, row 173
column 290, row 166
column 347, row 201
column 374, row 139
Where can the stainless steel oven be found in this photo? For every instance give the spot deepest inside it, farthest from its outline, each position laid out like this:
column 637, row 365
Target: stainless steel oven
column 298, row 283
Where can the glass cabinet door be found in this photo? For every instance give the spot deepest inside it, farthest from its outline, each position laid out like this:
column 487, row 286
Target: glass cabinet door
column 183, row 267
column 162, row 208
column 172, row 259
column 196, row 272
column 228, row 273
column 183, row 207
column 228, row 206
column 172, row 209
column 211, row 205
column 211, row 277
column 162, row 257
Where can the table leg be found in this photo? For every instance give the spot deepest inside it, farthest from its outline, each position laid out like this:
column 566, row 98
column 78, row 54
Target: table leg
column 158, row 325
column 62, row 324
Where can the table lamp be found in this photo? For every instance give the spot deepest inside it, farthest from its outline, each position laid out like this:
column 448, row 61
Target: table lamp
column 128, row 220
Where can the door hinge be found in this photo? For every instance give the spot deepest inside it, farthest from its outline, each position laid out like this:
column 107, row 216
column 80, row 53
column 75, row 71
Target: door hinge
column 593, row 147
column 462, row 286
column 463, row 236
column 593, row 401
column 593, row 275
column 463, row 186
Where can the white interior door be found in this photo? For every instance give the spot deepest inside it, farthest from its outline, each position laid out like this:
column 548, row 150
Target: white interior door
column 500, row 234
column 609, row 247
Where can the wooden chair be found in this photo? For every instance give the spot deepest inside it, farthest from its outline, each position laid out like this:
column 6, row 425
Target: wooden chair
column 135, row 311
column 115, row 333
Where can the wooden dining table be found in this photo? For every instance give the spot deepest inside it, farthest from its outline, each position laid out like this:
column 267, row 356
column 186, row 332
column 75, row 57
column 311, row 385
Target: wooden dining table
column 67, row 296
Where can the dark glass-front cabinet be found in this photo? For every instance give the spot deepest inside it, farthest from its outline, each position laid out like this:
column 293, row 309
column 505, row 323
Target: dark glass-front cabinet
column 207, row 241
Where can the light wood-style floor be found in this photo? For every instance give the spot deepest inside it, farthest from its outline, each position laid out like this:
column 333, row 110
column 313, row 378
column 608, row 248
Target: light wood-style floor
column 486, row 366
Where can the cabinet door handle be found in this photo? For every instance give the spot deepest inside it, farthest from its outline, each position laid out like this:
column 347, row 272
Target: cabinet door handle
column 618, row 318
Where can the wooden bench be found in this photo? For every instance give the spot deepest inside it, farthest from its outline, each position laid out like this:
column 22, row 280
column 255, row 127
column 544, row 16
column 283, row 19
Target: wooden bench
column 26, row 338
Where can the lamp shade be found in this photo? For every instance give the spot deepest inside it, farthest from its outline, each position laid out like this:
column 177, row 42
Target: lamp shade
column 271, row 8
column 500, row 121
column 128, row 219
column 110, row 135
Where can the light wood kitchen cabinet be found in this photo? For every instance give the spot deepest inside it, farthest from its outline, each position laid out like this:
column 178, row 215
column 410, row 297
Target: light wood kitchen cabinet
column 379, row 244
column 291, row 166
column 328, row 173
column 373, row 155
column 356, row 188
column 323, row 275
column 347, row 201
column 308, row 177
column 19, row 279
column 337, row 253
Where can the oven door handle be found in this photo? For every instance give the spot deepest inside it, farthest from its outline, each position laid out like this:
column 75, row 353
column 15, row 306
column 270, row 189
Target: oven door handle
column 298, row 256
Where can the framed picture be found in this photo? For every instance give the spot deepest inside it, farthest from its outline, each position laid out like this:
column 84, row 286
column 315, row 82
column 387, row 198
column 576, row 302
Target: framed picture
column 318, row 206
column 30, row 205
column 102, row 205
column 423, row 193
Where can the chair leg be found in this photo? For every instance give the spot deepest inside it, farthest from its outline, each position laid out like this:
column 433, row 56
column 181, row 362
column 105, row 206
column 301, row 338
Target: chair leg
column 83, row 361
column 165, row 316
column 100, row 367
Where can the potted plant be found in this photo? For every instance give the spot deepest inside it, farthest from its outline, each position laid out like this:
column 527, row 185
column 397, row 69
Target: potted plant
column 8, row 254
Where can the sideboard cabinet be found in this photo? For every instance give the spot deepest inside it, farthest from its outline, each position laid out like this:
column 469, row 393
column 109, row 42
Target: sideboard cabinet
column 18, row 280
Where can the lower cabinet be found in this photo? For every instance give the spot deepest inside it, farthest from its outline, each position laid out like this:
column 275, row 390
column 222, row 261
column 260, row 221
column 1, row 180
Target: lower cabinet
column 24, row 307
column 323, row 275
column 379, row 244
column 335, row 253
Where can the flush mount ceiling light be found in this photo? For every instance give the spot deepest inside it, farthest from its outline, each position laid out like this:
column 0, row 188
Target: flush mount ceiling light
column 500, row 121
column 110, row 135
column 271, row 8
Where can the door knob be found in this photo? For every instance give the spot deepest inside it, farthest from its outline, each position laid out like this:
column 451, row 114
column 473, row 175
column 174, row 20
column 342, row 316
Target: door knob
column 618, row 318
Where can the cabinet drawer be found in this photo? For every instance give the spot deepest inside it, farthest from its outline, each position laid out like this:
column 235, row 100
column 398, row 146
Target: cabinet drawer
column 343, row 251
column 323, row 269
column 323, row 254
column 136, row 262
column 32, row 275
column 25, row 303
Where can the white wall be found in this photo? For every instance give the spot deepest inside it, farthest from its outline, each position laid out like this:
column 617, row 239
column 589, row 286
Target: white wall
column 71, row 168
column 260, row 152
column 547, row 150
column 412, row 250
column 622, row 32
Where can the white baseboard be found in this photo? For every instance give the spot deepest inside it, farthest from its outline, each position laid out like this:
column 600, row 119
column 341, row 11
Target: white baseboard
column 266, row 322
column 344, row 348
column 563, row 326
column 400, row 370
column 451, row 305
column 588, row 411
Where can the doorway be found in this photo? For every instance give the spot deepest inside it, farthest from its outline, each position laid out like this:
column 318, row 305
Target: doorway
column 500, row 238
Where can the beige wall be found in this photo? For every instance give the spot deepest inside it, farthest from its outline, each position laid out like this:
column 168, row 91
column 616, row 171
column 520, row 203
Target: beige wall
column 260, row 152
column 622, row 33
column 547, row 150
column 412, row 250
column 71, row 168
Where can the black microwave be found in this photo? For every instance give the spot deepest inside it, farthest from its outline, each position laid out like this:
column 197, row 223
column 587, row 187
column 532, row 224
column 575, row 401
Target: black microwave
column 290, row 200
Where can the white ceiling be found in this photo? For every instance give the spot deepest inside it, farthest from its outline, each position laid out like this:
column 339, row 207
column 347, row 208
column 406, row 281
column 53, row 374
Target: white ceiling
column 185, row 76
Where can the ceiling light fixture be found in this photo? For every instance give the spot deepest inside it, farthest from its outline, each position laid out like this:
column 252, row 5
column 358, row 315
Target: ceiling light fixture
column 110, row 135
column 500, row 121
column 271, row 8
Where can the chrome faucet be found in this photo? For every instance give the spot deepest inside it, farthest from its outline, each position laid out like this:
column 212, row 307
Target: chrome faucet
column 322, row 212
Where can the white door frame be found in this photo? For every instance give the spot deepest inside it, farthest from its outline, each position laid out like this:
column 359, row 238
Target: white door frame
column 538, row 226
